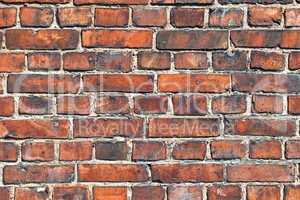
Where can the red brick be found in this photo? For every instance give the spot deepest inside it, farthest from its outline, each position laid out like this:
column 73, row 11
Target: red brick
column 69, row 151
column 111, row 17
column 228, row 149
column 182, row 127
column 112, row 105
column 12, row 62
column 114, row 61
column 8, row 152
column 260, row 127
column 224, row 192
column 38, row 151
column 111, row 2
column 263, row 173
column 1, row 84
column 264, row 16
column 192, row 40
column 8, row 17
column 108, row 127
column 112, row 173
column 79, row 61
column 234, row 104
column 7, row 106
column 268, row 83
column 110, row 193
column 149, row 151
column 229, row 61
column 31, row 193
column 148, row 193
column 118, row 83
column 191, row 60
column 146, row 17
column 263, row 193
column 193, row 83
column 35, row 105
column 294, row 60
column 190, row 150
column 41, row 39
column 37, row 1
column 117, row 38
column 197, row 2
column 71, row 192
column 266, row 149
column 5, row 193
column 187, row 17
column 41, row 83
column 177, row 192
column 35, row 128
column 294, row 105
column 292, row 192
column 292, row 149
column 111, row 150
column 292, row 17
column 154, row 60
column 189, row 105
column 36, row 17
column 18, row 174
column 44, row 61
column 269, row 61
column 176, row 173
column 150, row 104
column 76, row 105
column 290, row 39
column 226, row 17
column 267, row 104
column 74, row 17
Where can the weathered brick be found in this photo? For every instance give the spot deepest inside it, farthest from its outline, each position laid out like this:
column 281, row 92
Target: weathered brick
column 226, row 17
column 12, row 62
column 292, row 149
column 5, row 193
column 8, row 17
column 111, row 17
column 263, row 173
column 147, row 17
column 294, row 60
column 267, row 104
column 110, row 193
column 111, row 150
column 224, row 192
column 117, row 38
column 35, row 128
column 191, row 60
column 150, row 104
column 233, row 104
column 154, row 60
column 228, row 149
column 177, row 192
column 74, row 17
column 7, row 106
column 112, row 105
column 71, row 192
column 112, row 173
column 265, row 149
column 76, row 105
column 41, row 39
column 18, row 174
column 263, row 192
column 148, row 193
column 260, row 127
column 293, row 105
column 213, row 83
column 108, row 127
column 69, row 151
column 111, row 2
column 44, row 61
column 36, row 17
column 189, row 105
column 182, row 127
column 292, row 17
column 235, row 60
column 38, row 151
column 176, row 173
column 32, row 193
column 269, row 61
column 35, row 105
column 187, row 17
column 190, row 150
column 292, row 192
column 264, row 16
column 8, row 152
column 149, row 151
column 193, row 40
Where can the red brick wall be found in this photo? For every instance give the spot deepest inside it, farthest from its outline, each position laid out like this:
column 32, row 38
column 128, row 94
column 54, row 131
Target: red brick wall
column 149, row 99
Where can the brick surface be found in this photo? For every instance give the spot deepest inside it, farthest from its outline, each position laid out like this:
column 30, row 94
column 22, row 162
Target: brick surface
column 149, row 99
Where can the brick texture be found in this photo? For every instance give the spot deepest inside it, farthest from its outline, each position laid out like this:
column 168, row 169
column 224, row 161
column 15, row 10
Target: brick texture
column 149, row 99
